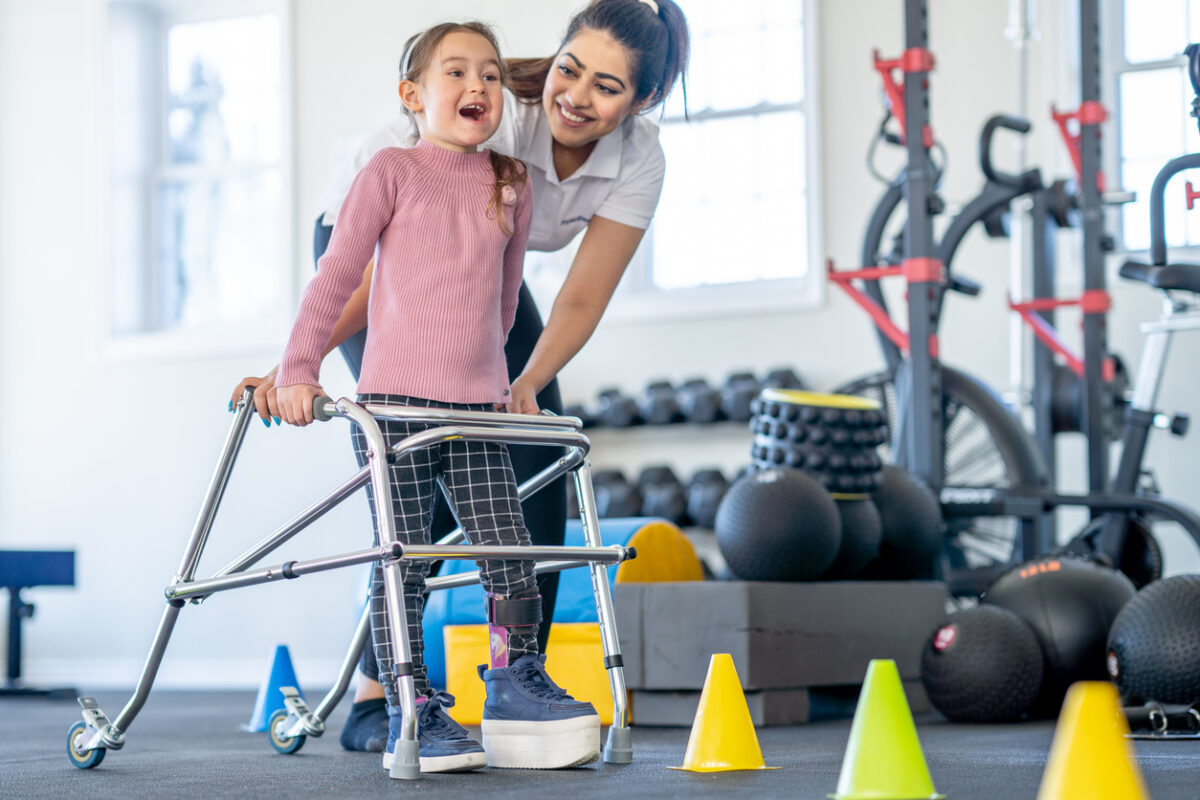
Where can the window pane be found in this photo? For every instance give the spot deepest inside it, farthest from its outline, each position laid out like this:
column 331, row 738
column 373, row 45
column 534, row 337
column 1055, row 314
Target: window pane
column 224, row 91
column 743, row 53
column 217, row 244
column 732, row 212
column 1151, row 114
column 1155, row 127
column 1154, row 29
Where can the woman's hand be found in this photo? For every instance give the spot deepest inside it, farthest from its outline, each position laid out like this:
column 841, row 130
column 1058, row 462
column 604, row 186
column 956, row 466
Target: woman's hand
column 296, row 402
column 522, row 397
column 264, row 396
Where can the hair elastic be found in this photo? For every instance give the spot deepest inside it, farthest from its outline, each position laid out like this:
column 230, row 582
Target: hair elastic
column 653, row 5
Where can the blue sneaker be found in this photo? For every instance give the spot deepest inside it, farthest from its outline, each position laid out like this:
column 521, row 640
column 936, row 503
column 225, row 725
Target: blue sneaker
column 444, row 745
column 531, row 723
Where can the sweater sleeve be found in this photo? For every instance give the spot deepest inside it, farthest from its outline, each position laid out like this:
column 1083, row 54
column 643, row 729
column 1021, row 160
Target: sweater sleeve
column 514, row 256
column 368, row 209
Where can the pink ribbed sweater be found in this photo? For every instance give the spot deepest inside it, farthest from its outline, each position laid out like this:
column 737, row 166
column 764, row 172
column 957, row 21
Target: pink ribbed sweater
column 446, row 278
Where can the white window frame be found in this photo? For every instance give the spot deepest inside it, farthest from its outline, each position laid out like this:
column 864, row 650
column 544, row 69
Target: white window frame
column 1114, row 65
column 637, row 298
column 268, row 332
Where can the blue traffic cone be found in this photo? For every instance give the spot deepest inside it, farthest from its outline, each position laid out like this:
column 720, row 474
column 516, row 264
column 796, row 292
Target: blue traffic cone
column 270, row 699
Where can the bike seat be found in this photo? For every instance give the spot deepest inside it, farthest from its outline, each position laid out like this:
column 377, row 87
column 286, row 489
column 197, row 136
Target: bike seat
column 1166, row 276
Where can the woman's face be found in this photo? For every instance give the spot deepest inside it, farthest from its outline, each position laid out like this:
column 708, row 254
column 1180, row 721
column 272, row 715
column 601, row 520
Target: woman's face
column 589, row 90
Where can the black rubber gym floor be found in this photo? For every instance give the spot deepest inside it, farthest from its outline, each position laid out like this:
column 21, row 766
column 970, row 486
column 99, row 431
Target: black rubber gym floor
column 187, row 744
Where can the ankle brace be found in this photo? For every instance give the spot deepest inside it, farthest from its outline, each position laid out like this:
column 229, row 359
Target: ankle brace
column 510, row 615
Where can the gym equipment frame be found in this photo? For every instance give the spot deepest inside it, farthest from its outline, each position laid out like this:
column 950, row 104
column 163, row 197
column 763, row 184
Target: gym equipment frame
column 90, row 739
column 923, row 388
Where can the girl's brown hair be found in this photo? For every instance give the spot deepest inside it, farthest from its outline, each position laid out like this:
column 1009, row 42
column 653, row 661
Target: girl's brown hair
column 655, row 34
column 418, row 52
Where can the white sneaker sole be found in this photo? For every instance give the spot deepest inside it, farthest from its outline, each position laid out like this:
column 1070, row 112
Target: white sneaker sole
column 557, row 744
column 461, row 762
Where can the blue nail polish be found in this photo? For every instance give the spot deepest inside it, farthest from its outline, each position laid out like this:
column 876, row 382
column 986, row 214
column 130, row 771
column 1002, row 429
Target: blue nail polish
column 231, row 405
column 277, row 422
column 267, row 422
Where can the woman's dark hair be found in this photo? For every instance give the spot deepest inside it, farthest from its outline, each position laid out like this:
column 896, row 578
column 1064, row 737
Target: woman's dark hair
column 418, row 52
column 657, row 41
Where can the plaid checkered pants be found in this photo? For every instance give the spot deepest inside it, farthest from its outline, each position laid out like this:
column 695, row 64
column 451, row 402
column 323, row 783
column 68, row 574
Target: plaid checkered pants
column 483, row 494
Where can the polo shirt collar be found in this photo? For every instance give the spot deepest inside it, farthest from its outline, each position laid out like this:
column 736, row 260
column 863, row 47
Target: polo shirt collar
column 604, row 162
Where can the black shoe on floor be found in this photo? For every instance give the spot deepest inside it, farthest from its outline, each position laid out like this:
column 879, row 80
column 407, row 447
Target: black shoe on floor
column 366, row 729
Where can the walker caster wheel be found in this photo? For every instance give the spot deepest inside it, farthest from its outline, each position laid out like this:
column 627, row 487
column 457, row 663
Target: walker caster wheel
column 82, row 760
column 282, row 744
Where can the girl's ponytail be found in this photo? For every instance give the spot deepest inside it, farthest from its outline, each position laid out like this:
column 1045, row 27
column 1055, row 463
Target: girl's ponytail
column 510, row 174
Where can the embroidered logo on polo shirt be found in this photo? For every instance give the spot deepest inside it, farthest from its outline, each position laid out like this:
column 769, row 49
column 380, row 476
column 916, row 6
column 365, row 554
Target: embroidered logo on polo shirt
column 573, row 220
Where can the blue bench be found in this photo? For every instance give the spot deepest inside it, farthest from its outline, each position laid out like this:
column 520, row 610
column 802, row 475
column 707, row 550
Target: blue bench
column 23, row 569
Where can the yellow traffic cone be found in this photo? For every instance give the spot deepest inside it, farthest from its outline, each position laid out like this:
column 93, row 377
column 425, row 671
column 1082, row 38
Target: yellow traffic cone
column 723, row 737
column 883, row 757
column 1090, row 756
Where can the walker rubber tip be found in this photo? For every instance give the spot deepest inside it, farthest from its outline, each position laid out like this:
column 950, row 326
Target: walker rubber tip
column 1090, row 756
column 723, row 737
column 883, row 758
column 270, row 698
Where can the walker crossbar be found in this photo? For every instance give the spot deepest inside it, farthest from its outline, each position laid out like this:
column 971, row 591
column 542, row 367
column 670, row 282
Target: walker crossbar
column 575, row 457
column 88, row 740
column 614, row 554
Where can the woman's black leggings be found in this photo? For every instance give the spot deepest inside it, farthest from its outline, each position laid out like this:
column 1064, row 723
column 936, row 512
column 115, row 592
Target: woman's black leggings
column 546, row 511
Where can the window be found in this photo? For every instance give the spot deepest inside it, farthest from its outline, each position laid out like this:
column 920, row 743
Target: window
column 735, row 229
column 199, row 191
column 1152, row 118
column 734, row 205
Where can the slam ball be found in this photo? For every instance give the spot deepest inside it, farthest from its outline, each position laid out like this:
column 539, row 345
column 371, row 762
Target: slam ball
column 862, row 532
column 1070, row 603
column 983, row 665
column 1154, row 643
column 778, row 525
column 912, row 527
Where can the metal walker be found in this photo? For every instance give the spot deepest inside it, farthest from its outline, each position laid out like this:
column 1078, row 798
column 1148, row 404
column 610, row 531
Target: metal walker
column 89, row 739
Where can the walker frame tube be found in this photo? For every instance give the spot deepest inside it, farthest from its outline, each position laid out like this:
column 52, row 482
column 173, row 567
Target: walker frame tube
column 472, row 426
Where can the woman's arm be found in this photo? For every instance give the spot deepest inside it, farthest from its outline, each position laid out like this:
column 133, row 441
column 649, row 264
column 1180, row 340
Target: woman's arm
column 603, row 255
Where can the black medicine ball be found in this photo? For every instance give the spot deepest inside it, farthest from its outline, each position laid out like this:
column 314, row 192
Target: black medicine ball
column 778, row 525
column 1154, row 643
column 983, row 665
column 1070, row 603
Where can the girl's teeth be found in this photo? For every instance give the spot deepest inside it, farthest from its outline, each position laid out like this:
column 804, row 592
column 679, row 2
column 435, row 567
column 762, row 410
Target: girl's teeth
column 570, row 116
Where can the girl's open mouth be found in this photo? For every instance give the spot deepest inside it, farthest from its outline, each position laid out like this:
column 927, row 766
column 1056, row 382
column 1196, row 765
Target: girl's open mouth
column 474, row 111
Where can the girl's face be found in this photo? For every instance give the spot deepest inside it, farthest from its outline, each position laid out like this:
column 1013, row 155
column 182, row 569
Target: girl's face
column 589, row 90
column 456, row 99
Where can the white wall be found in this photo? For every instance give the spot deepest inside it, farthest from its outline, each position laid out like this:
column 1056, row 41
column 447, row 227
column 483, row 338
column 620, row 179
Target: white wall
column 111, row 457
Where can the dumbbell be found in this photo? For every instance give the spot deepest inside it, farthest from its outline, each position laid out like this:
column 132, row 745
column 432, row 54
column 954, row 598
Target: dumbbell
column 704, row 493
column 581, row 411
column 616, row 410
column 663, row 494
column 699, row 402
column 737, row 394
column 615, row 495
column 783, row 378
column 659, row 404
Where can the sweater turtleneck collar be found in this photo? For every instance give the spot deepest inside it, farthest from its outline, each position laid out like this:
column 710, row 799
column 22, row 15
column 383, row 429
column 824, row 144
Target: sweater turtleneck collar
column 452, row 161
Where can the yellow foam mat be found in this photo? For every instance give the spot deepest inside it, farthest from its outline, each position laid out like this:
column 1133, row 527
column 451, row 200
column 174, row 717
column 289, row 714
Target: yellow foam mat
column 574, row 659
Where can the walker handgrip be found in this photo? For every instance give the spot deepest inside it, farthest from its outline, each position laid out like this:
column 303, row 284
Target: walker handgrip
column 319, row 408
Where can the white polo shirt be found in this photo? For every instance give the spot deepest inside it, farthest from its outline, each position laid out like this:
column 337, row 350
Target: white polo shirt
column 621, row 180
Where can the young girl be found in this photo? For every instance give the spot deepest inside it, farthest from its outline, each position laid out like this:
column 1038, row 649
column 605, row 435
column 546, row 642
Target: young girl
column 451, row 224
